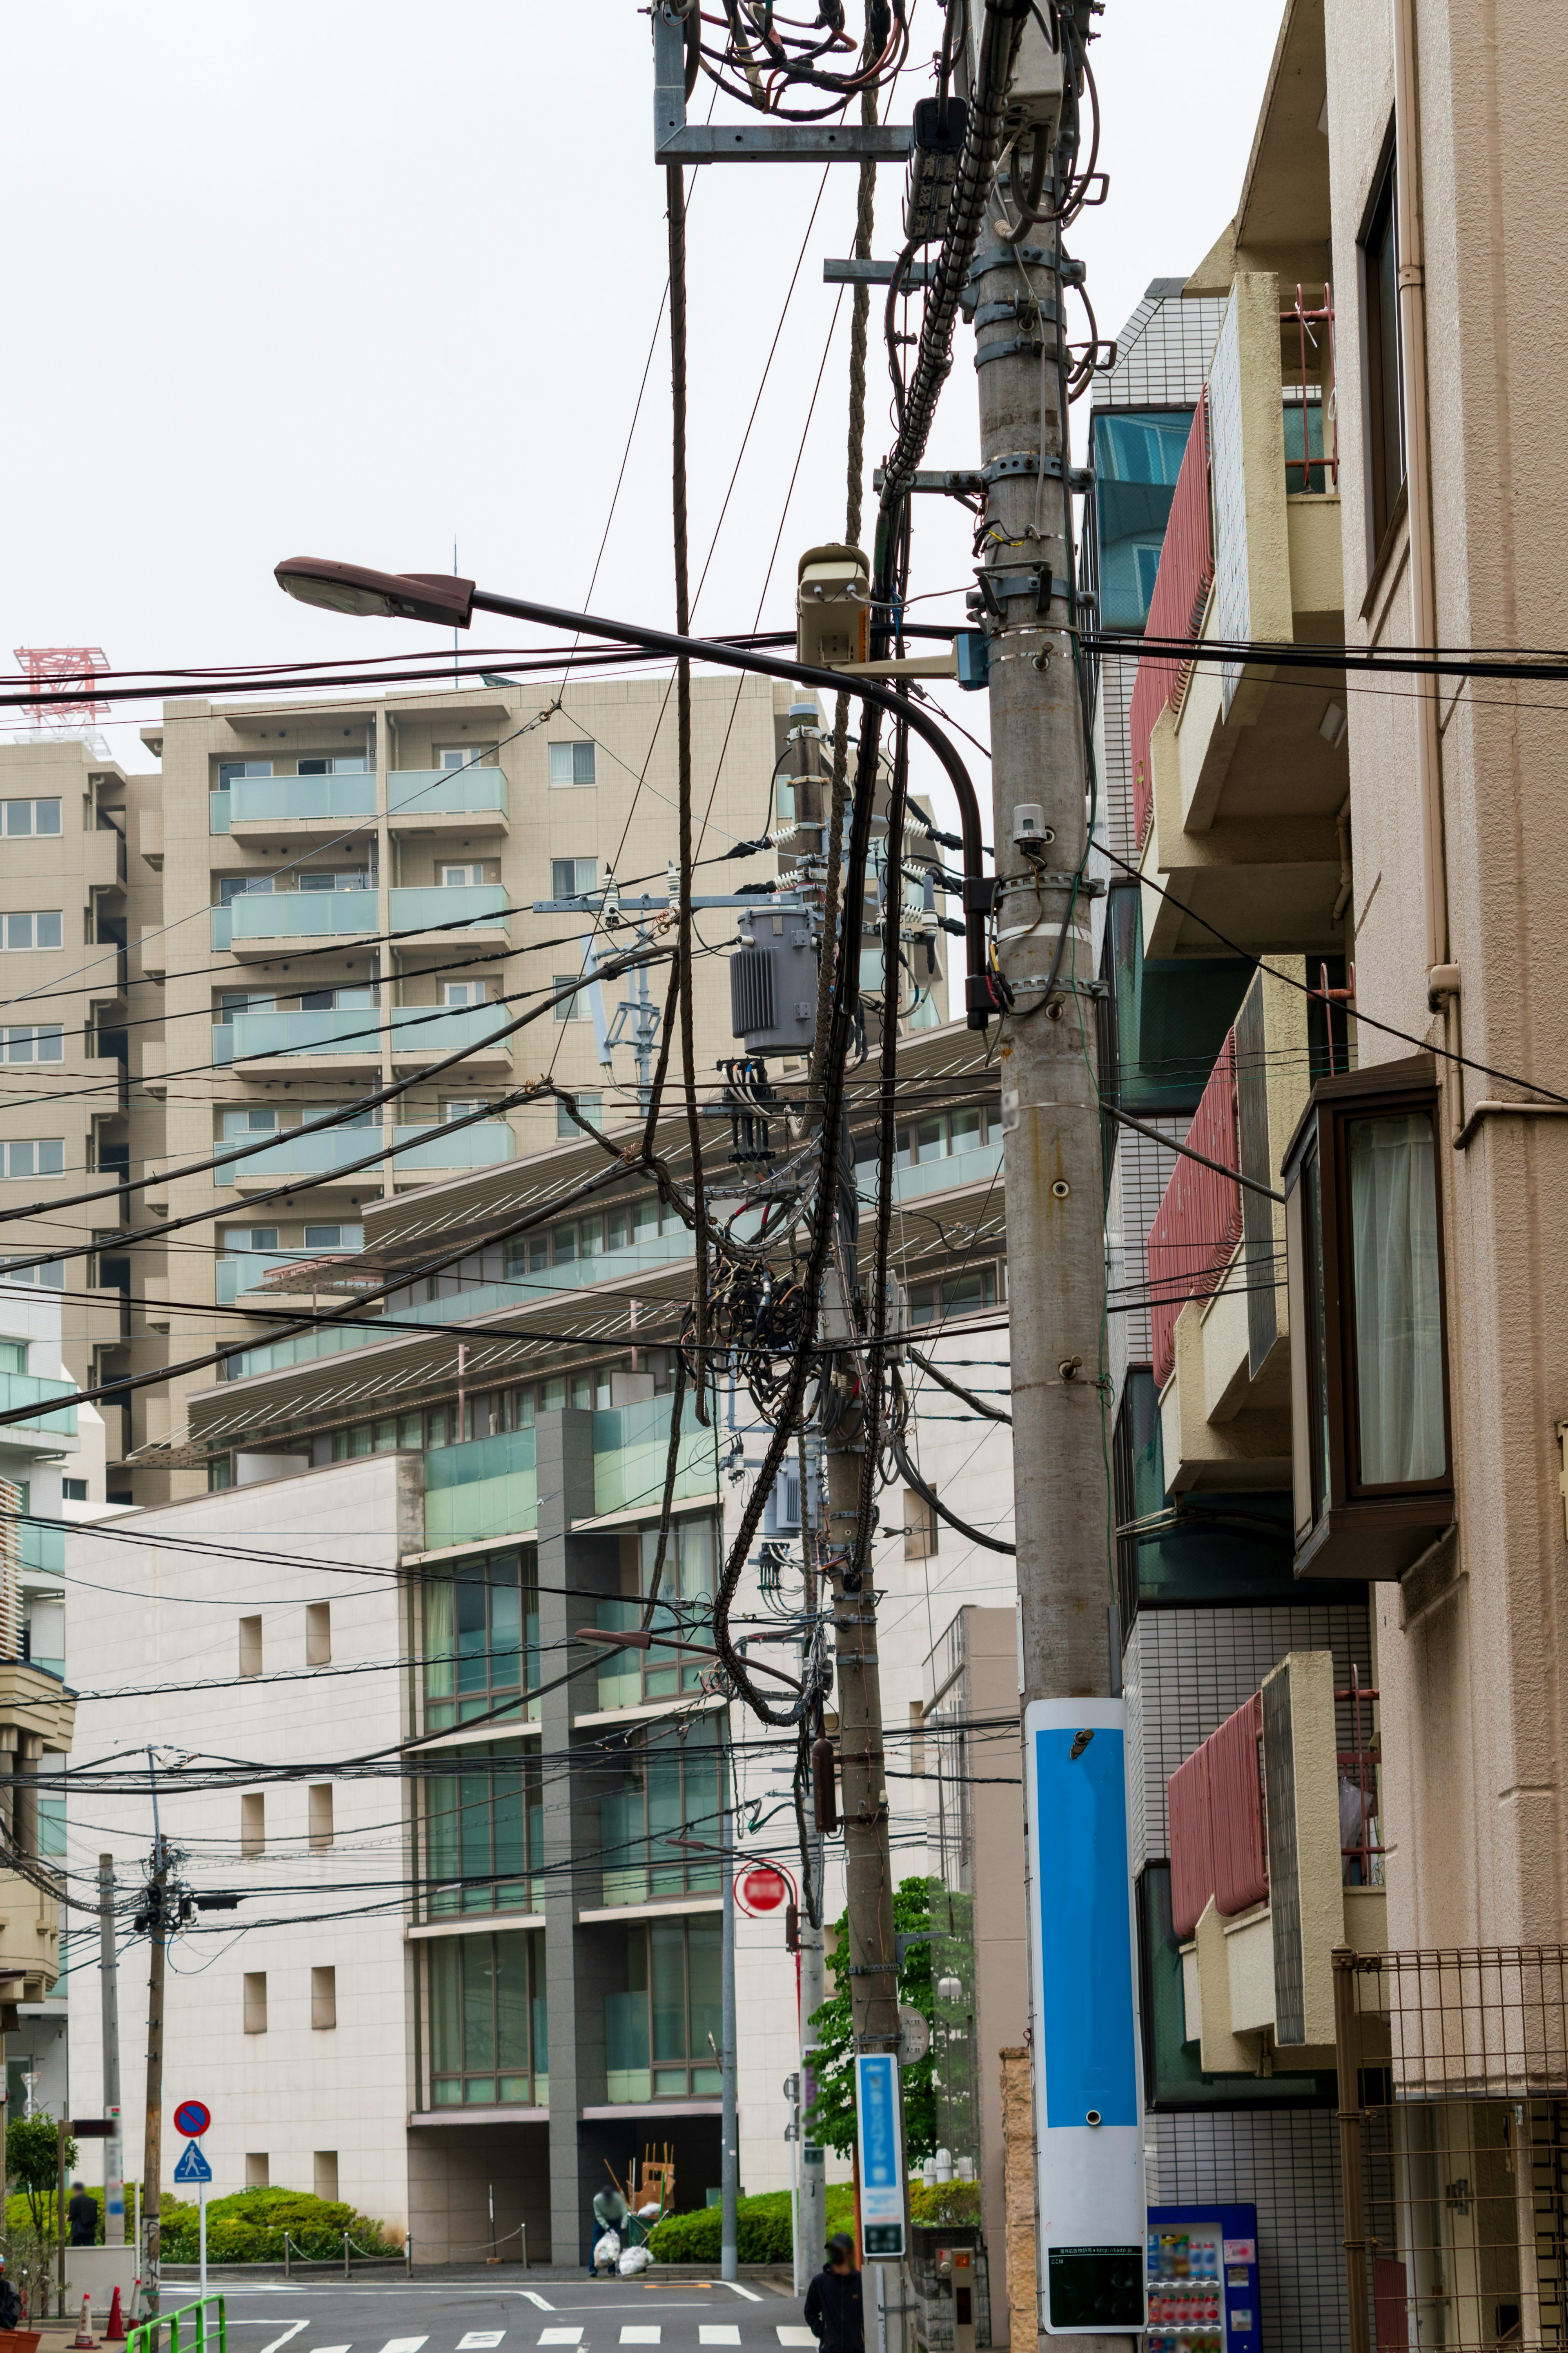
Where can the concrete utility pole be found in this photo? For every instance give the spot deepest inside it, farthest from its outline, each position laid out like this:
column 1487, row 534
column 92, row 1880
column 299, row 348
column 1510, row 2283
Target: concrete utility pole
column 812, row 2208
column 114, row 2146
column 155, row 1903
column 730, row 2139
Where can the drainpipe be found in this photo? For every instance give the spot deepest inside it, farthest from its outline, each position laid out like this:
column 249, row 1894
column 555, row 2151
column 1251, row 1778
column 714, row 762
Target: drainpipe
column 1442, row 977
column 1347, row 876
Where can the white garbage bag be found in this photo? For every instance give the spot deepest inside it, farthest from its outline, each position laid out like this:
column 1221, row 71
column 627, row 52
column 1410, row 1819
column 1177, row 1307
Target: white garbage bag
column 636, row 2259
column 607, row 2250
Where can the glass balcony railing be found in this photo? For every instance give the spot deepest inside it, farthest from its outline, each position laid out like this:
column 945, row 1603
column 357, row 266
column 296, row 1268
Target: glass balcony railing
column 223, row 917
column 445, row 791
column 254, row 800
column 424, row 1029
column 632, row 1678
column 41, row 1546
column 479, row 1146
column 30, row 1389
column 319, row 1155
column 978, row 1165
column 347, row 1029
column 631, row 1447
column 487, row 1488
column 436, row 910
column 217, row 812
column 294, row 915
column 244, row 1271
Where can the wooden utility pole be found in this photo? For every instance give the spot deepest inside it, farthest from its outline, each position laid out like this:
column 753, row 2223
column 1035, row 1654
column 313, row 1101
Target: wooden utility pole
column 156, row 1917
column 114, row 2147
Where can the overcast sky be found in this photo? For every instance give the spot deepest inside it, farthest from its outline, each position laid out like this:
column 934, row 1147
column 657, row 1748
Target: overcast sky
column 362, row 280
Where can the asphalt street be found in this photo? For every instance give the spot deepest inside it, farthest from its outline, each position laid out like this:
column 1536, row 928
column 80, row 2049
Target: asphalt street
column 453, row 2317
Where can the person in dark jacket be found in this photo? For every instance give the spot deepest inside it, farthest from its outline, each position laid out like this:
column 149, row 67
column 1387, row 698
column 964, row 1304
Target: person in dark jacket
column 833, row 2308
column 82, row 2216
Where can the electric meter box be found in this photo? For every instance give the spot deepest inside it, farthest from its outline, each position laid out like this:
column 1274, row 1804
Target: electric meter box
column 1034, row 93
column 773, row 983
column 832, row 606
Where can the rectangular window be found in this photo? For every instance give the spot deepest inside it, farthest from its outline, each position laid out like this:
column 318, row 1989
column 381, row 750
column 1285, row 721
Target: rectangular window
column 463, row 755
column 955, row 1295
column 318, row 1633
column 243, row 886
column 569, row 878
column 31, row 816
column 632, row 1678
column 257, row 2170
column 572, row 763
column 461, row 877
column 335, row 764
column 484, row 1831
column 920, row 1527
column 589, row 1103
column 254, row 2005
column 250, row 1646
column 248, row 1123
column 672, row 1789
column 13, row 1356
column 253, row 1823
column 74, row 1490
column 238, row 1240
column 353, row 877
column 1384, row 398
column 230, row 771
column 42, row 1157
column 44, row 1043
column 482, row 1632
column 571, row 1008
column 464, row 1106
column 321, row 1813
column 463, row 992
column 488, row 2023
column 34, row 931
column 245, row 1000
column 661, row 2035
column 324, row 2000
column 324, row 2174
column 53, row 1278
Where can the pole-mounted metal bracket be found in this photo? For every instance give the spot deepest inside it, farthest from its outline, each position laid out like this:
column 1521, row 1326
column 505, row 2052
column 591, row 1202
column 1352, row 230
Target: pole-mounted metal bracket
column 1016, row 306
column 1037, row 580
column 675, row 141
column 968, row 482
column 857, row 273
column 1020, row 346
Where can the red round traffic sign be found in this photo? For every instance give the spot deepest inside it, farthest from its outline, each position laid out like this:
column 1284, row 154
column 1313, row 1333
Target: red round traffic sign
column 191, row 2118
column 762, row 1888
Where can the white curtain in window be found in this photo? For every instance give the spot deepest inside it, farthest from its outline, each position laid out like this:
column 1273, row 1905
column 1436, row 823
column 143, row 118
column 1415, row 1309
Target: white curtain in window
column 1398, row 1326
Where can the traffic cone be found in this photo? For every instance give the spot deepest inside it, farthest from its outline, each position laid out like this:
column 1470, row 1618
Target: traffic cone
column 115, row 2332
column 84, row 2341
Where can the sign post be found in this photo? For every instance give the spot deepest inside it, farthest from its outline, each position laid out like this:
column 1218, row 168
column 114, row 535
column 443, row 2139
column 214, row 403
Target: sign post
column 879, row 2128
column 193, row 2117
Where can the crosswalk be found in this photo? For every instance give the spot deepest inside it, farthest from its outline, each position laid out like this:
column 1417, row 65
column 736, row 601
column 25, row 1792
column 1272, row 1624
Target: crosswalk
column 715, row 2333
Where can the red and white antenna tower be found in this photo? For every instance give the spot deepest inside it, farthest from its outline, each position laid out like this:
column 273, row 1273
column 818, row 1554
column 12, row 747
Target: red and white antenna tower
column 51, row 669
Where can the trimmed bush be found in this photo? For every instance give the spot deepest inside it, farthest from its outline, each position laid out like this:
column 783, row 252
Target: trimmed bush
column 764, row 2233
column 248, row 2227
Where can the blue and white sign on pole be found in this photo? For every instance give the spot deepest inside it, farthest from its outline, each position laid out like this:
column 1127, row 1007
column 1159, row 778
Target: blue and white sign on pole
column 1083, row 1990
column 878, row 2126
column 193, row 2167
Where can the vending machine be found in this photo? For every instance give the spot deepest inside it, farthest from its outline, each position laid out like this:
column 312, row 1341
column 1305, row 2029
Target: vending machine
column 1203, row 2280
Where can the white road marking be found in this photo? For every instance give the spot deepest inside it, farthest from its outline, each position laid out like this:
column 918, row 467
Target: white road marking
column 642, row 2335
column 719, row 2332
column 403, row 2344
column 478, row 2340
column 736, row 2289
column 561, row 2337
column 534, row 2297
column 794, row 2335
column 292, row 2330
column 328, row 2348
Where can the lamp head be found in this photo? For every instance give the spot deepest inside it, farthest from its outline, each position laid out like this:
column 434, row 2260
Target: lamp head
column 436, row 597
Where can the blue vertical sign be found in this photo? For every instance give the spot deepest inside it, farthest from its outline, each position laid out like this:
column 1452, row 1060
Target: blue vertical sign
column 879, row 2128
column 1083, row 1977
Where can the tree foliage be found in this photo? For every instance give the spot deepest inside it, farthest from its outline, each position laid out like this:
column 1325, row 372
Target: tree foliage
column 32, row 2162
column 832, row 2120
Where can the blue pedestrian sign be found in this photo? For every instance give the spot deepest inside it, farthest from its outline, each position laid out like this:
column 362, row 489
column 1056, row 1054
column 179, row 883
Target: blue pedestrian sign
column 193, row 2165
column 878, row 2125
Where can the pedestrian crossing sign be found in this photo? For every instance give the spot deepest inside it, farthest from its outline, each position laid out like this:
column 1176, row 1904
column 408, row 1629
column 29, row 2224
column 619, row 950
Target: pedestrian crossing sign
column 193, row 2165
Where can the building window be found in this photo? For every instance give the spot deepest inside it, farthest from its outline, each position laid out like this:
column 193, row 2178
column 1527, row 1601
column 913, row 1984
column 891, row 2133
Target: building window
column 323, row 2000
column 489, row 2025
column 461, row 877
column 672, row 1790
column 463, row 755
column 335, row 764
column 229, row 771
column 255, row 2003
column 321, row 1813
column 920, row 1527
column 572, row 763
column 250, row 1646
column 662, row 2033
column 1372, row 1475
column 591, row 1106
column 952, row 1295
column 31, row 816
column 318, row 1633
column 482, row 1636
column 257, row 2170
column 576, row 1007
column 484, row 1831
column 253, row 1823
column 43, row 1156
column 1384, row 393
column 632, row 1678
column 334, row 1237
column 324, row 2178
column 571, row 878
column 34, row 931
column 74, row 1490
column 43, row 1043
column 463, row 992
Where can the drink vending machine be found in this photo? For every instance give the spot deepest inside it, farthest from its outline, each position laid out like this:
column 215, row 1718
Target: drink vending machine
column 1203, row 2280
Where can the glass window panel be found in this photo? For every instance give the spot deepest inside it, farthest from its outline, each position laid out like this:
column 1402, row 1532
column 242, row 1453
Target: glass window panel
column 46, row 817
column 590, row 1236
column 645, row 1218
column 563, row 1242
column 669, row 2083
column 446, row 2005
column 411, row 1430
column 697, row 1558
column 707, row 1989
column 512, row 2005
column 1398, row 1316
column 666, row 1967
column 478, row 2004
column 555, row 1393
column 480, row 2090
column 18, row 816
column 617, row 1233
column 582, row 1390
column 931, row 1136
column 473, row 1632
column 443, row 1860
column 965, row 1130
column 706, row 2079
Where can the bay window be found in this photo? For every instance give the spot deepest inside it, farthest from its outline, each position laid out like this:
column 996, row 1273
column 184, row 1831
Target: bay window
column 662, row 2031
column 489, row 2038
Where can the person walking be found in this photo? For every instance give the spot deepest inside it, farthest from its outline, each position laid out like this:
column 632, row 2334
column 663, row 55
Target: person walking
column 82, row 2216
column 834, row 2312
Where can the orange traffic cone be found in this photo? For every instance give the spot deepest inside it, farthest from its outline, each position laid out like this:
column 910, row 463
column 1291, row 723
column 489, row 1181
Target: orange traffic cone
column 115, row 2332
column 84, row 2341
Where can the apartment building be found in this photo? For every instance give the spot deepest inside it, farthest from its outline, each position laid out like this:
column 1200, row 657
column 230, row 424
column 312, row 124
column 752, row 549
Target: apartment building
column 1353, row 1410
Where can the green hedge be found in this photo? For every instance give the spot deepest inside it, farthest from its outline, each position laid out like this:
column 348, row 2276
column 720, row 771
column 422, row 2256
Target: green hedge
column 763, row 2234
column 248, row 2226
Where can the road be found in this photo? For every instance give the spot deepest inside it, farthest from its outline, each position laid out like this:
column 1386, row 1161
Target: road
column 456, row 2317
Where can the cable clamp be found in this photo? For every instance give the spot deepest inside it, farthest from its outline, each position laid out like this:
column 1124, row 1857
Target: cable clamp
column 1023, row 346
column 1021, row 307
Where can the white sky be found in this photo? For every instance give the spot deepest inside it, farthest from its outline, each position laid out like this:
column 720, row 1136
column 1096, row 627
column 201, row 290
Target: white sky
column 361, row 277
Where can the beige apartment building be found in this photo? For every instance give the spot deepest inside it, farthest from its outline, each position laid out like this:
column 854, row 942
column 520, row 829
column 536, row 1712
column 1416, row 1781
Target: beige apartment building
column 307, row 904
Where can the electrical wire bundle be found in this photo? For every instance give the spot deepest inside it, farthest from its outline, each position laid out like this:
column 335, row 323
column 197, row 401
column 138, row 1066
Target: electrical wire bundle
column 766, row 56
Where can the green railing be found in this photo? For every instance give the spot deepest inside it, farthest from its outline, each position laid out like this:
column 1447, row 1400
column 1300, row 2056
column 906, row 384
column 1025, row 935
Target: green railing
column 430, row 910
column 489, row 1487
column 29, row 1389
column 255, row 800
column 319, row 1155
column 341, row 1029
column 479, row 1146
column 217, row 812
column 426, row 1029
column 309, row 914
column 223, row 917
column 42, row 1545
column 445, row 791
column 631, row 1447
column 144, row 2337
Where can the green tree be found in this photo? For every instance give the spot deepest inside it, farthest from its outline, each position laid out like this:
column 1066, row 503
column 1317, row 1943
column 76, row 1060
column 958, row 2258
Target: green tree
column 832, row 2120
column 32, row 2162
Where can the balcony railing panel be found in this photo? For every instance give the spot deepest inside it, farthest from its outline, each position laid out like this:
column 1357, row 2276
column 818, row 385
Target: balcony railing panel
column 296, row 914
column 445, row 791
column 631, row 1447
column 1198, row 1223
column 436, row 910
column 317, row 1155
column 246, row 1270
column 341, row 1029
column 1216, row 1801
column 487, row 1487
column 1181, row 591
column 479, row 1146
column 426, row 1029
column 256, row 800
column 31, row 1389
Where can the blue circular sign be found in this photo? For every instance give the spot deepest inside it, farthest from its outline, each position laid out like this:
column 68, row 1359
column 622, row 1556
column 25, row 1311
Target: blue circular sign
column 191, row 2118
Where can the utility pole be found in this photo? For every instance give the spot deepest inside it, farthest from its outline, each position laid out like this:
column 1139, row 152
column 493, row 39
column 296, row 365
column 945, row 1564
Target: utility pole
column 812, row 2203
column 114, row 2146
column 730, row 2147
column 154, row 1917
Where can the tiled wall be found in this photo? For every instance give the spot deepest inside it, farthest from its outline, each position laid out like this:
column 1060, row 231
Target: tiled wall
column 1233, row 601
column 1163, row 350
column 1185, row 1671
column 1285, row 2163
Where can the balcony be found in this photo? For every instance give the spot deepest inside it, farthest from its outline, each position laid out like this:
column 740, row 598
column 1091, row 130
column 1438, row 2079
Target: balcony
column 487, row 1487
column 1265, row 1883
column 322, row 1157
column 261, row 919
column 244, row 1271
column 479, row 1146
column 30, row 1389
column 351, row 1032
column 425, row 1032
column 479, row 908
column 1240, row 770
column 255, row 802
column 431, row 800
column 1217, row 1251
column 631, row 1448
